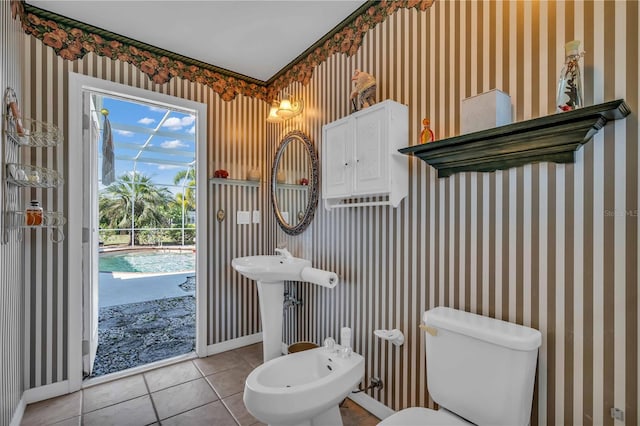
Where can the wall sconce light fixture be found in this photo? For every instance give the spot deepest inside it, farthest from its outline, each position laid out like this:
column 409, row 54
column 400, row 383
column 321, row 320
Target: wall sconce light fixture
column 285, row 109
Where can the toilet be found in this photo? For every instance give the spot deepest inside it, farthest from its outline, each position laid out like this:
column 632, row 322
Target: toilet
column 479, row 371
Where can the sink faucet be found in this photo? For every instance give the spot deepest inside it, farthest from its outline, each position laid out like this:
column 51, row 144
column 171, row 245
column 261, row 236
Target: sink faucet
column 284, row 253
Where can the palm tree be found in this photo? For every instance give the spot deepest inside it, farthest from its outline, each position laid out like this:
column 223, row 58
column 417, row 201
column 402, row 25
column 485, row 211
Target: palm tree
column 133, row 195
column 186, row 200
column 188, row 179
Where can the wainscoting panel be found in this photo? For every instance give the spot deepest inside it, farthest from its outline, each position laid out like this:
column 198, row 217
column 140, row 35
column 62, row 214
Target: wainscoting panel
column 549, row 246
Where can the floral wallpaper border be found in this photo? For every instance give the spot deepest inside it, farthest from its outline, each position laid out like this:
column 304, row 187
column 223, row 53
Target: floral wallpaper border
column 72, row 40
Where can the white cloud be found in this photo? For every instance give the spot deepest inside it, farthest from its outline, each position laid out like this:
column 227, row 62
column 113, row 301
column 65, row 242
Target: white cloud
column 124, row 133
column 173, row 144
column 175, row 123
column 192, row 130
column 168, row 167
column 146, row 121
column 157, row 109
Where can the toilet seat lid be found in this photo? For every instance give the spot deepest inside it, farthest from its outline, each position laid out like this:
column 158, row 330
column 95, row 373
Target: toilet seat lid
column 418, row 416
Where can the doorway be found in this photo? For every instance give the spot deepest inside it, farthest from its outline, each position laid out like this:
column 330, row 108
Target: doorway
column 142, row 192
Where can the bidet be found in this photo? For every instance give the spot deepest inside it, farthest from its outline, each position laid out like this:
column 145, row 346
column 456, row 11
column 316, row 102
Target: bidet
column 303, row 388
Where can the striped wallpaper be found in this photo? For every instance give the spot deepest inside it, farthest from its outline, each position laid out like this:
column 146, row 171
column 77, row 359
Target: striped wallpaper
column 551, row 246
column 235, row 135
column 11, row 289
column 232, row 303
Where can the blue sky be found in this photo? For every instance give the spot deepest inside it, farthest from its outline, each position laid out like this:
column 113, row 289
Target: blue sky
column 175, row 140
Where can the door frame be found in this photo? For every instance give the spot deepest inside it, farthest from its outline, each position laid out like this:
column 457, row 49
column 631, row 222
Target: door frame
column 77, row 84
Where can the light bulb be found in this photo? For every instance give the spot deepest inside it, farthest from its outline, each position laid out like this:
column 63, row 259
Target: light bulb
column 285, row 110
column 273, row 113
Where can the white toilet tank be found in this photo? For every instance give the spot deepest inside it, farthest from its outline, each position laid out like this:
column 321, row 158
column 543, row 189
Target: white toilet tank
column 480, row 368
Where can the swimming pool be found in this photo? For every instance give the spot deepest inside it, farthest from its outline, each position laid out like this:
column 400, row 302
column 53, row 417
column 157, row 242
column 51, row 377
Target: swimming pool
column 147, row 261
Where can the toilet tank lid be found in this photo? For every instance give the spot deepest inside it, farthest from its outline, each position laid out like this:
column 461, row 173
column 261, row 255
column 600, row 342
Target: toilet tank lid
column 491, row 330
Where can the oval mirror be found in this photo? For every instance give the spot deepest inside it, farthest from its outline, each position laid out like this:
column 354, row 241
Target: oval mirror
column 294, row 183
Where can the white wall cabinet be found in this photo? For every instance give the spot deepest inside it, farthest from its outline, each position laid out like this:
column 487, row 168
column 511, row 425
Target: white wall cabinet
column 361, row 165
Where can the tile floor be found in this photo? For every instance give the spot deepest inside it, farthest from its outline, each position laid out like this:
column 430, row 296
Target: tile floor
column 204, row 391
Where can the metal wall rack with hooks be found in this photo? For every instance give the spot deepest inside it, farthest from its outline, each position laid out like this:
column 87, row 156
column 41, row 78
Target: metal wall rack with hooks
column 19, row 178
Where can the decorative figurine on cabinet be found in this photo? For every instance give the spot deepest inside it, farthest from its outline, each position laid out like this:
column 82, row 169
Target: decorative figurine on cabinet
column 364, row 92
column 427, row 134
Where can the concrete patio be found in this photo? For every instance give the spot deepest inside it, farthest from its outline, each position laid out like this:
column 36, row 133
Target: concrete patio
column 119, row 288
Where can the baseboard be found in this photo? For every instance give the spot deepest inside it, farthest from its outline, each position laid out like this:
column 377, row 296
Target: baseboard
column 372, row 405
column 236, row 343
column 19, row 413
column 45, row 392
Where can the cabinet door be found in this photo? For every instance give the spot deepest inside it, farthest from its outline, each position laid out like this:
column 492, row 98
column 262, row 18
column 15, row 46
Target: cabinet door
column 371, row 152
column 337, row 153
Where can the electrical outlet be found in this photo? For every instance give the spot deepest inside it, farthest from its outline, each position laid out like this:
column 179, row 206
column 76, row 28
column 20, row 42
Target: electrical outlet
column 243, row 217
column 256, row 216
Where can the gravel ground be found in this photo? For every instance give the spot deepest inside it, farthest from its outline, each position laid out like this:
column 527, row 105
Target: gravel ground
column 139, row 333
column 189, row 284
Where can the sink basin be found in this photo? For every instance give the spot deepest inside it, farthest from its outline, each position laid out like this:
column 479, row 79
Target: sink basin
column 271, row 272
column 270, row 269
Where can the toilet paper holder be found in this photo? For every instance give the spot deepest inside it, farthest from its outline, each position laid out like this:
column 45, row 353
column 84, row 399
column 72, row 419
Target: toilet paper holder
column 394, row 336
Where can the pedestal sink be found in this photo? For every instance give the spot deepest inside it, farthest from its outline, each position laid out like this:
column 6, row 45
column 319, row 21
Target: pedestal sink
column 271, row 272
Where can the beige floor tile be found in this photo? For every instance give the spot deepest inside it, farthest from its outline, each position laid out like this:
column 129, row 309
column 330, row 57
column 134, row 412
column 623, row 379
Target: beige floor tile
column 235, row 405
column 252, row 354
column 172, row 375
column 219, row 362
column 135, row 412
column 100, row 396
column 177, row 399
column 211, row 414
column 229, row 382
column 190, row 403
column 53, row 410
column 355, row 415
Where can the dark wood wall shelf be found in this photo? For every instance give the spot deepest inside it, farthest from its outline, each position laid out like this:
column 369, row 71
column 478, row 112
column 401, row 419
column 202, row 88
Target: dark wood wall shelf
column 553, row 138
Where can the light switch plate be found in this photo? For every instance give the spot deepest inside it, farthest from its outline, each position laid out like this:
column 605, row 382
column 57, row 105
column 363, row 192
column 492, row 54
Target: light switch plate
column 256, row 216
column 243, row 217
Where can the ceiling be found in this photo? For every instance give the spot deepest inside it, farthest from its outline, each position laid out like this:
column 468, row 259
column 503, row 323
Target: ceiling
column 255, row 38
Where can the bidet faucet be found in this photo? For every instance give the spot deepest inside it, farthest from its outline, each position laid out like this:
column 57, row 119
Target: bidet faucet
column 284, row 253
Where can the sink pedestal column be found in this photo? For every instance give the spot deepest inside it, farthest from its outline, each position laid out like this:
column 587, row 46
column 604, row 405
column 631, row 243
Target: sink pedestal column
column 271, row 297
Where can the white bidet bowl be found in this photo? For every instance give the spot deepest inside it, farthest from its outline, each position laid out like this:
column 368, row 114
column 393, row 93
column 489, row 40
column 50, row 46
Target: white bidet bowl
column 302, row 388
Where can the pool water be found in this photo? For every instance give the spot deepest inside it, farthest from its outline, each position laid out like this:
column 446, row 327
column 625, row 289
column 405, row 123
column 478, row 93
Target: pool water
column 147, row 261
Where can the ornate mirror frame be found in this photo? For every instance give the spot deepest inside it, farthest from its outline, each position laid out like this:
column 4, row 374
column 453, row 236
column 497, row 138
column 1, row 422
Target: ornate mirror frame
column 312, row 203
